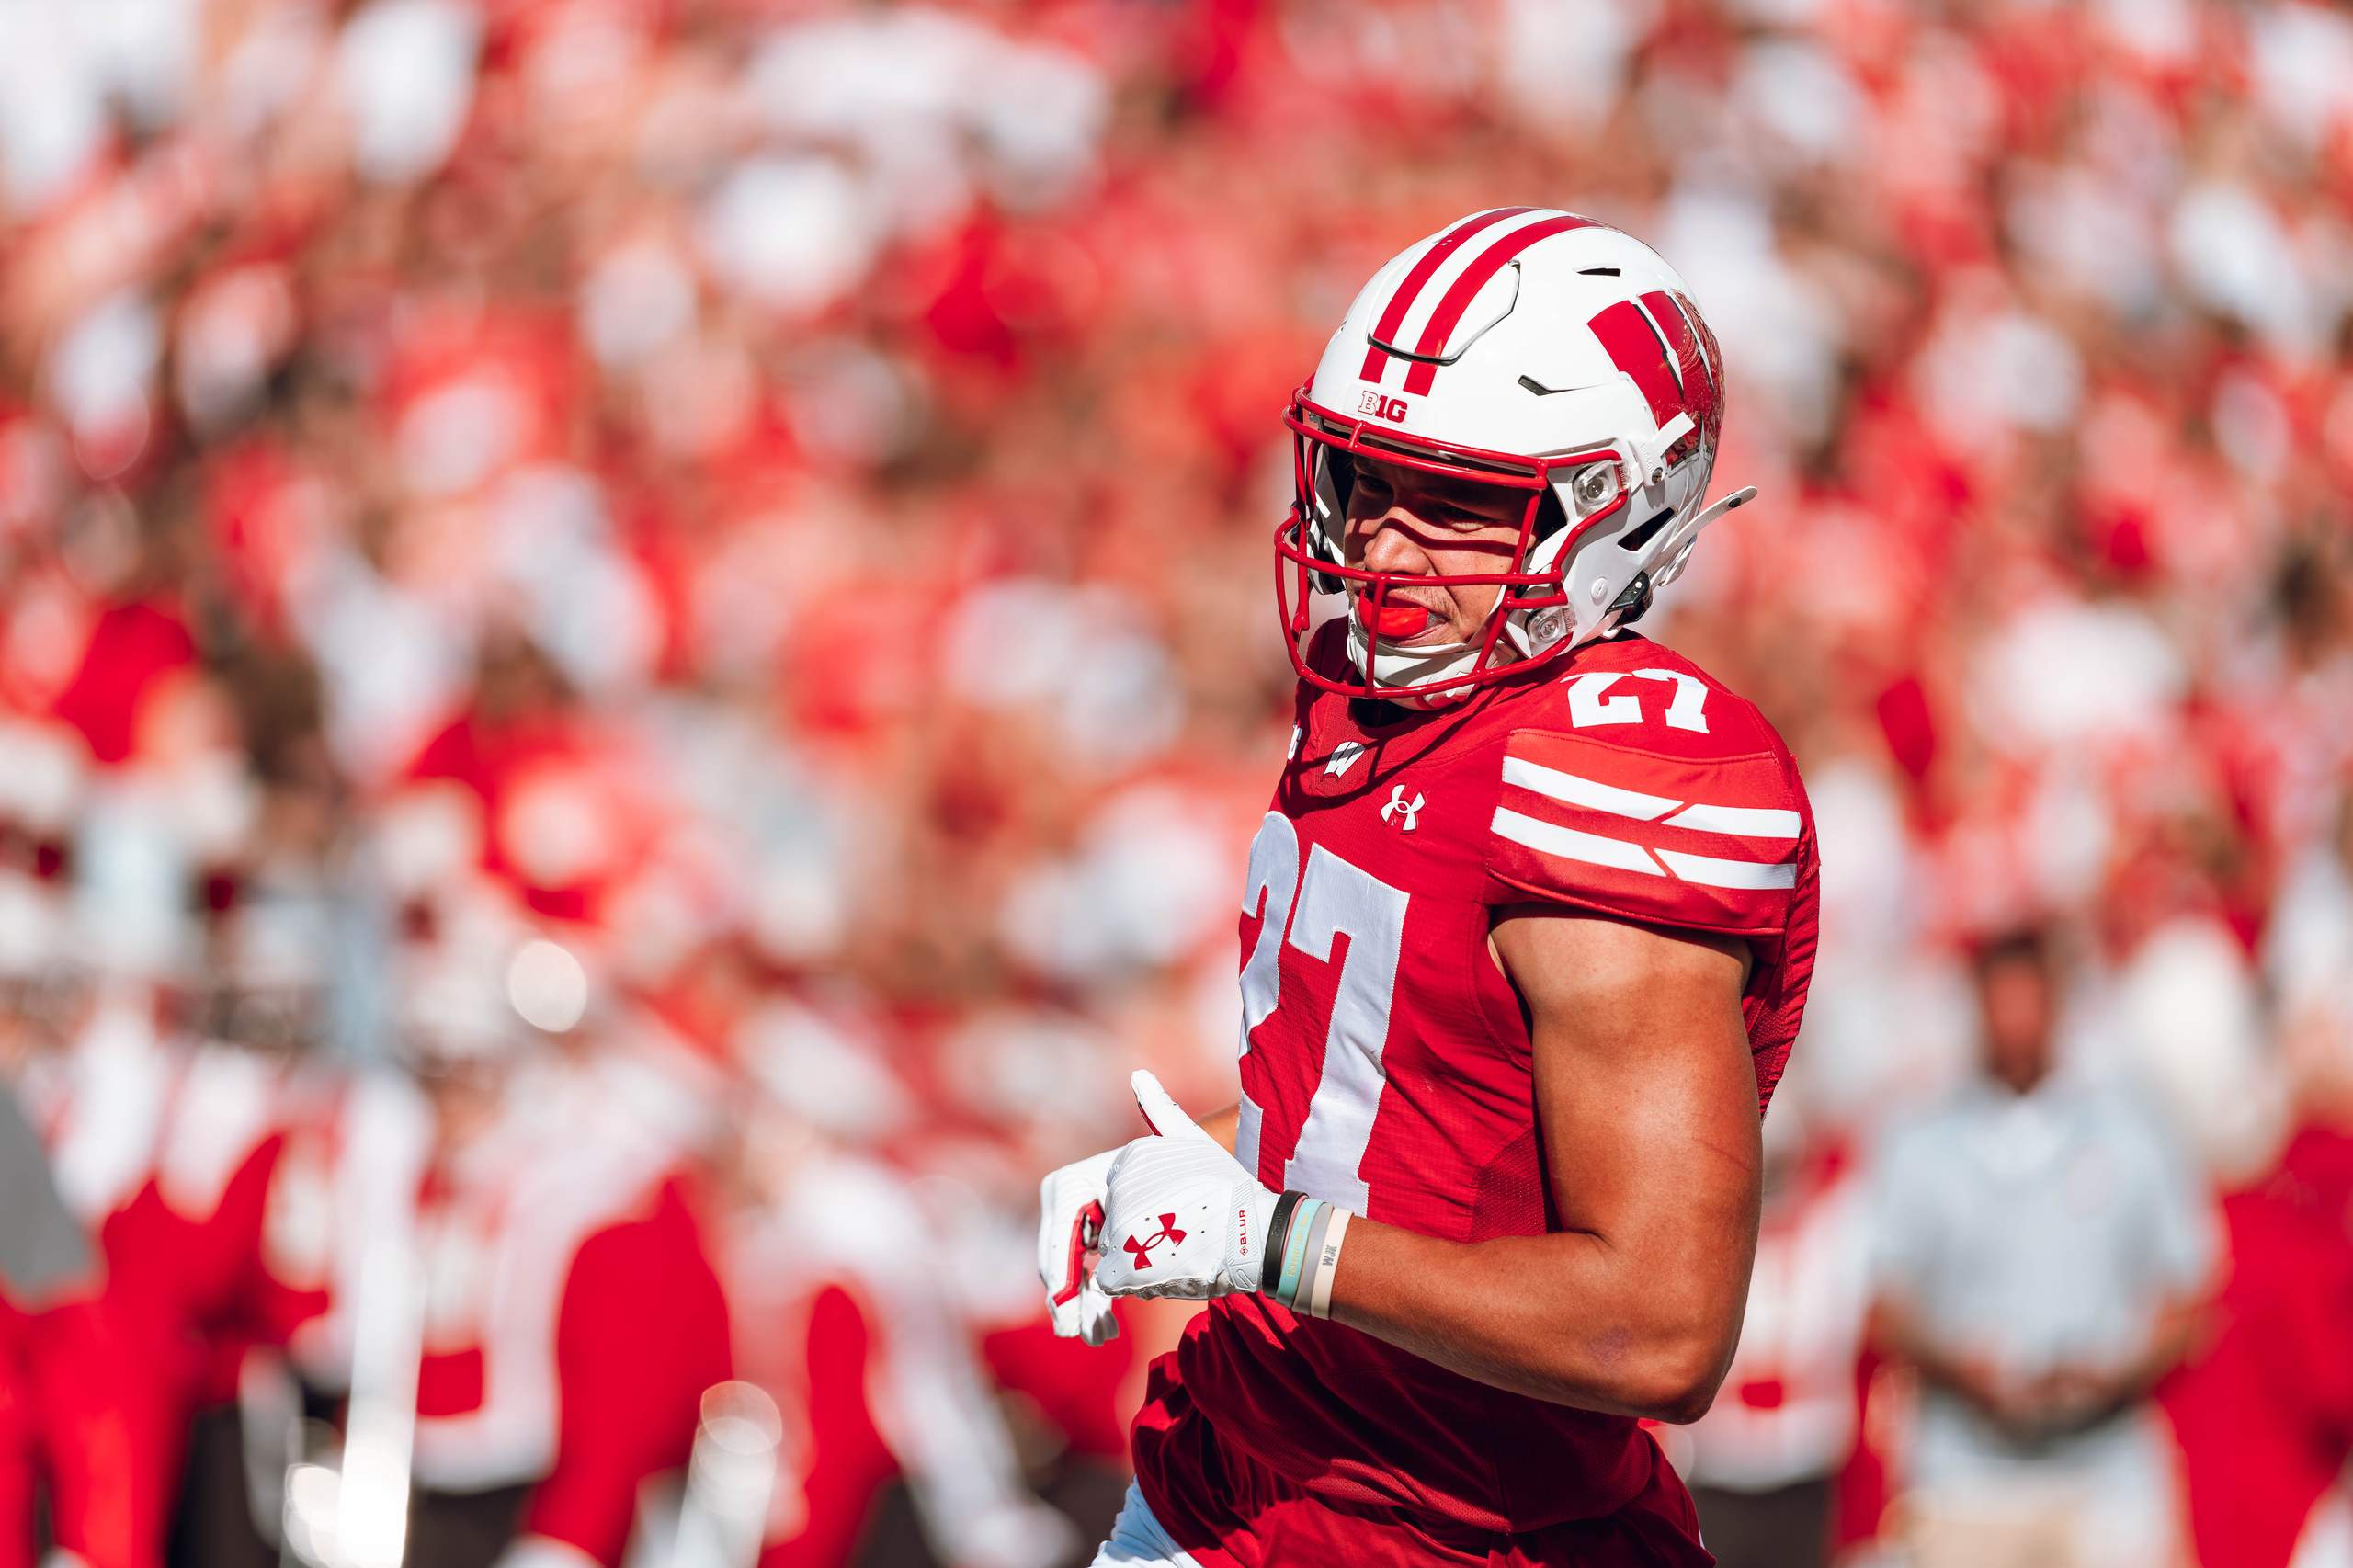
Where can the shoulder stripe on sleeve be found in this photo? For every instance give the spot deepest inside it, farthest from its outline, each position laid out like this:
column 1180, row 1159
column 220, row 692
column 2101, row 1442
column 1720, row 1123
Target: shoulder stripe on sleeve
column 1571, row 845
column 1594, row 795
column 1654, row 834
column 1581, row 823
column 1709, row 872
column 1748, row 821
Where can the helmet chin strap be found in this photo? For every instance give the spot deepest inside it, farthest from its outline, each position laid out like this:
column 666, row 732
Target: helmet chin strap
column 1410, row 666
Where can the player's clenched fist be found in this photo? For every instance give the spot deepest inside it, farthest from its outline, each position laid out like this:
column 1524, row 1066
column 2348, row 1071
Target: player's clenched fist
column 1184, row 1218
column 1069, row 1220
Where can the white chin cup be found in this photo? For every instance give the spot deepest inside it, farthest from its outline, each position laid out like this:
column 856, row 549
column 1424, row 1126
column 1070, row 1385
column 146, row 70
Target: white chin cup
column 1392, row 665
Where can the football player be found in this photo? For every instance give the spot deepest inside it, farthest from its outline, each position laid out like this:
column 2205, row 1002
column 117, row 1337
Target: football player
column 1525, row 939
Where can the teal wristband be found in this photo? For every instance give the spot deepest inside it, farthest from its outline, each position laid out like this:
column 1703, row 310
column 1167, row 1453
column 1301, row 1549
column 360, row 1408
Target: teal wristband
column 1302, row 1221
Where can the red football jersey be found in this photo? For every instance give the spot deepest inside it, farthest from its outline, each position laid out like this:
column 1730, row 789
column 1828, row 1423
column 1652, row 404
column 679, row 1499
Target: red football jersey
column 1386, row 1065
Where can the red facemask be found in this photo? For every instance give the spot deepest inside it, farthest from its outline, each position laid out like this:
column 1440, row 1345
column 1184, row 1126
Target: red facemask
column 1304, row 566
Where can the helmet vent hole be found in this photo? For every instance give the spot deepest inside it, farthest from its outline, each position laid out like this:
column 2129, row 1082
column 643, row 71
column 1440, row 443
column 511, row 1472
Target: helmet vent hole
column 1596, row 272
column 1636, row 538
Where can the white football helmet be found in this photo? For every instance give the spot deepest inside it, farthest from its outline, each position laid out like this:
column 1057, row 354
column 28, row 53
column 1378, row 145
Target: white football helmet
column 1537, row 351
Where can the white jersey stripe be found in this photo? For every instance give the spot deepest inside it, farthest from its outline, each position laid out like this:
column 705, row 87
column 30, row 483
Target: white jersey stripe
column 1571, row 845
column 1741, row 822
column 1591, row 794
column 1708, row 871
column 1745, row 822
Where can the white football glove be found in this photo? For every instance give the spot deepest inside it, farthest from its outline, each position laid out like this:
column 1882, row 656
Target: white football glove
column 1184, row 1218
column 1070, row 1222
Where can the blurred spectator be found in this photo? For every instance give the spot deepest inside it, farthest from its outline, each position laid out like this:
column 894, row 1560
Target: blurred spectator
column 46, row 1260
column 2308, row 952
column 2042, row 1258
column 2265, row 1414
column 505, row 1236
column 863, row 1353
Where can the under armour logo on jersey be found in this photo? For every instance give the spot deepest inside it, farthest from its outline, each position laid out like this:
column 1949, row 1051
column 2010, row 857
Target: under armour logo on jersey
column 1344, row 757
column 1397, row 803
column 1139, row 1247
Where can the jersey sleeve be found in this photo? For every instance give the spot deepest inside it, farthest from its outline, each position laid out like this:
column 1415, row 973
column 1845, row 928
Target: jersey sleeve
column 1691, row 840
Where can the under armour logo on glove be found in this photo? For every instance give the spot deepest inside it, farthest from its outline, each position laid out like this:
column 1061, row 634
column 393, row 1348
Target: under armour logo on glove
column 1397, row 802
column 1180, row 1174
column 1140, row 1248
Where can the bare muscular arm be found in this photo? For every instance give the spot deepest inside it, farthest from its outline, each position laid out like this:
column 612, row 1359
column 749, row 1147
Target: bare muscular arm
column 1221, row 1126
column 1646, row 1098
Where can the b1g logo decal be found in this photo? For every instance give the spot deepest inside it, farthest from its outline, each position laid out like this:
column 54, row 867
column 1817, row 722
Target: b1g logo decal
column 1390, row 408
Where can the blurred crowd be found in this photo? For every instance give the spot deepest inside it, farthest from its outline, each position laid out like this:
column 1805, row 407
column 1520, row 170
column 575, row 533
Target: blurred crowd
column 635, row 659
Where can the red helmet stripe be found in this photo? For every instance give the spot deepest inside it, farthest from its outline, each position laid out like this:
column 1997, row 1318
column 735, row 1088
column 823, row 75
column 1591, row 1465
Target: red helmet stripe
column 1448, row 314
column 1376, row 360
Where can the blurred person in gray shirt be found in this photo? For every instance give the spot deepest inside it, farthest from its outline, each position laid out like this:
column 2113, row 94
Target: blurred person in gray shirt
column 2042, row 1251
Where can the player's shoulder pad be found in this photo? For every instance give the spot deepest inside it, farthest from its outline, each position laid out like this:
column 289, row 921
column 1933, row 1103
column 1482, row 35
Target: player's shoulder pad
column 1636, row 785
